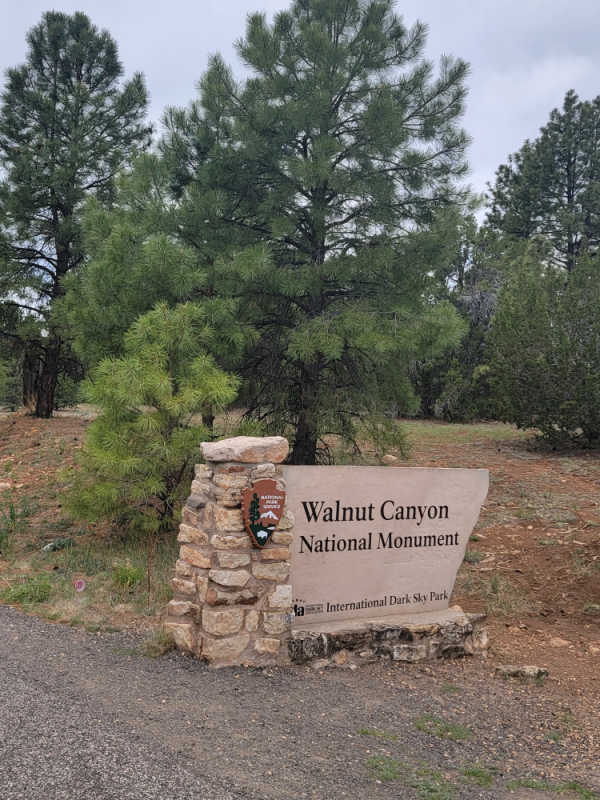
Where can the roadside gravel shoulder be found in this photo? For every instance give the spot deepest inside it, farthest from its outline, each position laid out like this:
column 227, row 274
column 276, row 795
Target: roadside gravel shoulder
column 87, row 715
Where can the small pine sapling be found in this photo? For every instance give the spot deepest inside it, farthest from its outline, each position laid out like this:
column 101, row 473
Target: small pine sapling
column 138, row 455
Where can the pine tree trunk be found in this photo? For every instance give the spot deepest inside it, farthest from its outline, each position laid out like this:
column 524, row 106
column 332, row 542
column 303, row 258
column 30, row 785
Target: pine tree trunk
column 304, row 450
column 48, row 379
column 31, row 375
column 305, row 442
column 208, row 419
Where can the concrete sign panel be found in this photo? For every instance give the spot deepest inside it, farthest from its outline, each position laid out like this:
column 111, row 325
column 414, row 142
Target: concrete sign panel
column 375, row 541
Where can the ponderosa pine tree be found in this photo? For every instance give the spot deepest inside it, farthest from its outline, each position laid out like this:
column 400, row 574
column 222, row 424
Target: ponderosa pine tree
column 67, row 125
column 333, row 160
column 137, row 259
column 551, row 187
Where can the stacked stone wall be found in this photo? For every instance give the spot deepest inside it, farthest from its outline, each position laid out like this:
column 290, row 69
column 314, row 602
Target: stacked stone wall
column 232, row 602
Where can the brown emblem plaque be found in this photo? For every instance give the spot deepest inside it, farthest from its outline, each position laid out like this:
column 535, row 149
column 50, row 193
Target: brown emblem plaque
column 262, row 507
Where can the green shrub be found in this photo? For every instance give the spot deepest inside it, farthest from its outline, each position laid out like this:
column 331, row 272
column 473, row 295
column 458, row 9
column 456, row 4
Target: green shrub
column 502, row 598
column 10, row 383
column 138, row 456
column 13, row 520
column 4, row 378
column 545, row 350
column 67, row 392
column 85, row 559
column 28, row 590
column 126, row 577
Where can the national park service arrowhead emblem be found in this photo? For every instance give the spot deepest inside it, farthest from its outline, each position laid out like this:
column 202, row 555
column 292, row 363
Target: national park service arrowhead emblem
column 262, row 507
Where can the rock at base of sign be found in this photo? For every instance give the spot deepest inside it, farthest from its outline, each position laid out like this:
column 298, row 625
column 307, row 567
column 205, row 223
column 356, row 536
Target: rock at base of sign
column 528, row 671
column 443, row 634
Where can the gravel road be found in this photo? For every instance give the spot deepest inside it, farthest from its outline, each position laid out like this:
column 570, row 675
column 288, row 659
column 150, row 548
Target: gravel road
column 63, row 732
column 85, row 715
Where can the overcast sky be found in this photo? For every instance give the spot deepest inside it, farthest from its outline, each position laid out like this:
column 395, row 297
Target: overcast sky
column 524, row 54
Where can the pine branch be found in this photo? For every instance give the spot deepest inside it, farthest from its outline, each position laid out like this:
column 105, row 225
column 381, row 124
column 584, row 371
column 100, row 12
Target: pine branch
column 24, row 306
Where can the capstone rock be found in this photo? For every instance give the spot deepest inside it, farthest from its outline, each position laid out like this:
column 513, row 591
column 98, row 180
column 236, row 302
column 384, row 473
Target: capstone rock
column 247, row 449
column 286, row 522
column 183, row 569
column 275, row 554
column 251, row 620
column 221, row 541
column 281, row 598
column 228, row 519
column 180, row 608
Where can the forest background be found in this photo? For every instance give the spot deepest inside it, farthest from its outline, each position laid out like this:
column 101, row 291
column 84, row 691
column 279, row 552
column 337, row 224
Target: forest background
column 300, row 241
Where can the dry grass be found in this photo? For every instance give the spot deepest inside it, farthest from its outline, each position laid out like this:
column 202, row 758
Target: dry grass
column 123, row 578
column 496, row 593
column 446, row 432
column 158, row 644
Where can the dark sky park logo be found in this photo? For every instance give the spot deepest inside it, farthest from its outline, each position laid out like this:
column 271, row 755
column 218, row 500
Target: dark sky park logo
column 262, row 507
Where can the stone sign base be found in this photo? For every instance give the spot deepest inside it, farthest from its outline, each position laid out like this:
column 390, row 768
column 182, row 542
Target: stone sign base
column 410, row 637
column 233, row 602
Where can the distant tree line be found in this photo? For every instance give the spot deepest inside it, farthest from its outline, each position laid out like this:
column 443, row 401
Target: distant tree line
column 307, row 229
column 528, row 282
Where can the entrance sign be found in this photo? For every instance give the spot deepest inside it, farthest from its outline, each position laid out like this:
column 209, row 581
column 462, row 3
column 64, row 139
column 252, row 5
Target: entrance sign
column 374, row 541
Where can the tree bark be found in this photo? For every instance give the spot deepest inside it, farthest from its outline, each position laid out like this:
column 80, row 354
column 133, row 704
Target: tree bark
column 208, row 418
column 46, row 390
column 304, row 450
column 31, row 376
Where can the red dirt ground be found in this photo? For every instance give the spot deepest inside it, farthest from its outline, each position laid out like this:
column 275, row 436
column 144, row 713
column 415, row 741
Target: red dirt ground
column 538, row 538
column 539, row 532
